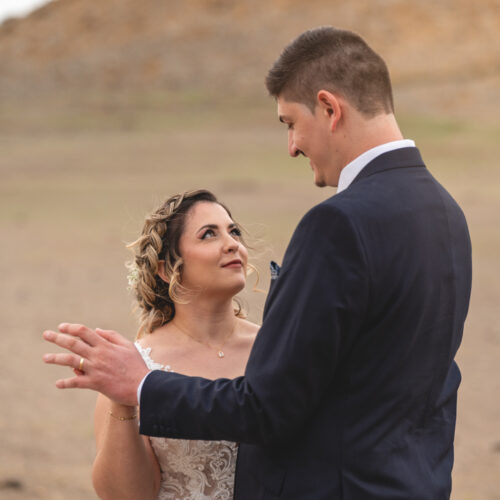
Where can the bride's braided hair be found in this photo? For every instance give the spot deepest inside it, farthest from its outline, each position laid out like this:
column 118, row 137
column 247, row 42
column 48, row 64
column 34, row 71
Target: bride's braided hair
column 159, row 240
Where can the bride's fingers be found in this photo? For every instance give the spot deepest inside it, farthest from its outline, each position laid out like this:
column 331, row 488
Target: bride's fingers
column 81, row 331
column 68, row 342
column 64, row 359
column 112, row 336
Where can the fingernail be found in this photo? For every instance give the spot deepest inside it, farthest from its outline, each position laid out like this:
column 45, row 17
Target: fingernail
column 46, row 357
column 62, row 325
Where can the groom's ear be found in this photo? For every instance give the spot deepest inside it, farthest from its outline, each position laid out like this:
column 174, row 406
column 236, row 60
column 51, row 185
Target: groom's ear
column 161, row 271
column 330, row 106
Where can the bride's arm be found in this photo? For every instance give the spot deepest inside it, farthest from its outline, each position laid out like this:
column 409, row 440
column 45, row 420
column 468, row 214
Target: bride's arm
column 125, row 466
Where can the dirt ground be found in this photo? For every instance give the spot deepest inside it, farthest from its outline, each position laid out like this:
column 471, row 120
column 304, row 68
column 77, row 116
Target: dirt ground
column 75, row 185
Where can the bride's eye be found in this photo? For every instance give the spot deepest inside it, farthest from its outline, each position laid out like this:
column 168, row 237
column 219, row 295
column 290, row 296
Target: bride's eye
column 236, row 231
column 209, row 233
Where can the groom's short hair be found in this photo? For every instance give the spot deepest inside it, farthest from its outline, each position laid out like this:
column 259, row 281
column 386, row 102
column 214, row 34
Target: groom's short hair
column 336, row 60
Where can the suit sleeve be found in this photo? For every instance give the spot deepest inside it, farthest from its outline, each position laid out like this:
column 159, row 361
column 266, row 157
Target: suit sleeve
column 317, row 303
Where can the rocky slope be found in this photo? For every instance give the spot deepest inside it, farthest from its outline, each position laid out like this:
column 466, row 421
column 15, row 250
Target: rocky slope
column 227, row 45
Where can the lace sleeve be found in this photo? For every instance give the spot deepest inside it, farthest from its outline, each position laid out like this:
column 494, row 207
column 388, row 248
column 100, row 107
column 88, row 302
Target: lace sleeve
column 145, row 352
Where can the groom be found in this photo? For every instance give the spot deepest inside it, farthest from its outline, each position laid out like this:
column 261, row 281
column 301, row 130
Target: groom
column 350, row 389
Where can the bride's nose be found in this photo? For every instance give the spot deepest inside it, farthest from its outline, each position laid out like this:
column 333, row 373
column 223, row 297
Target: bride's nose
column 230, row 244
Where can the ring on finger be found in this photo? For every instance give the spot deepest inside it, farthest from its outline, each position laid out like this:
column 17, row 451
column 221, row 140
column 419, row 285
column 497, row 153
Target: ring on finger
column 80, row 366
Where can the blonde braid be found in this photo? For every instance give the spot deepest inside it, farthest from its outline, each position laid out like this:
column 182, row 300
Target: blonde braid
column 152, row 293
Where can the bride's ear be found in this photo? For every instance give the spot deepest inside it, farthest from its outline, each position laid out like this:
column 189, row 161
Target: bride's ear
column 162, row 271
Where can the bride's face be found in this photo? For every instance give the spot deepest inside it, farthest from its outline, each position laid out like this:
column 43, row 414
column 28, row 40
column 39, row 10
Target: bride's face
column 214, row 256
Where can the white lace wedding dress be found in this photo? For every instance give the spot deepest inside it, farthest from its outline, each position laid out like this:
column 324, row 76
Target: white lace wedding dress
column 192, row 470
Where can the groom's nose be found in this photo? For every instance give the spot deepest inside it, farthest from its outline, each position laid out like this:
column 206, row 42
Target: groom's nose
column 293, row 150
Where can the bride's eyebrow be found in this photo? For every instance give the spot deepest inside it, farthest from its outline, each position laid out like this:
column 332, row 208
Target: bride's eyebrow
column 208, row 226
column 215, row 226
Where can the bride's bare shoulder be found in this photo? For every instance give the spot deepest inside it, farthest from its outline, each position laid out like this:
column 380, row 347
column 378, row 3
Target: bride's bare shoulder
column 248, row 329
column 158, row 338
column 146, row 340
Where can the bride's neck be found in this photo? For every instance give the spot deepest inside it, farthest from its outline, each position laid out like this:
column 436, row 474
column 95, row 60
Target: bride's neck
column 206, row 321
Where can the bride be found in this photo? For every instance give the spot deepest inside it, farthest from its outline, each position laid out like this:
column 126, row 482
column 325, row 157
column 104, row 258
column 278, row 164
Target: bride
column 190, row 262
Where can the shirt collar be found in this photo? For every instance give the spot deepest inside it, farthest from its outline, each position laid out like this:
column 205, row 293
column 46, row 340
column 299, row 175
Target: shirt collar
column 351, row 170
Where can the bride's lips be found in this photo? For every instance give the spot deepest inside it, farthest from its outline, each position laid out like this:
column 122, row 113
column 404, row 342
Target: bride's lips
column 233, row 263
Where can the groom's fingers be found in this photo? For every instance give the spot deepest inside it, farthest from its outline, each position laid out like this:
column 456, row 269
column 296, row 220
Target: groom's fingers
column 68, row 342
column 111, row 365
column 80, row 382
column 62, row 359
column 80, row 331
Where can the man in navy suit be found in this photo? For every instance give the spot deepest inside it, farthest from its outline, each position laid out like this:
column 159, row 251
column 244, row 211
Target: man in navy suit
column 350, row 389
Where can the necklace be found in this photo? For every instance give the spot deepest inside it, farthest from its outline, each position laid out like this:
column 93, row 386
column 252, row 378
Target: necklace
column 220, row 352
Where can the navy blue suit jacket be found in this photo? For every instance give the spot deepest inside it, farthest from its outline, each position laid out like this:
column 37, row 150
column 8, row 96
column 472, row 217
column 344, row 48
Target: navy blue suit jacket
column 350, row 389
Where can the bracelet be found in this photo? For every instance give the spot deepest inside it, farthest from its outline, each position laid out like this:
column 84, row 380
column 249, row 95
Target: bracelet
column 122, row 419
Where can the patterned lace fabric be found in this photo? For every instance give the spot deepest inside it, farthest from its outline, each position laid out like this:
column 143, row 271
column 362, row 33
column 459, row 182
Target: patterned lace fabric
column 191, row 469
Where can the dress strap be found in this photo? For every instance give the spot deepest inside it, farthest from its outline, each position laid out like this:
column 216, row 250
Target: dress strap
column 145, row 352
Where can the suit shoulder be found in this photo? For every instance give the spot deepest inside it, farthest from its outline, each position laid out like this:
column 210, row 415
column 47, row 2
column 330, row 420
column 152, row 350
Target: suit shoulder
column 325, row 222
column 330, row 206
column 331, row 210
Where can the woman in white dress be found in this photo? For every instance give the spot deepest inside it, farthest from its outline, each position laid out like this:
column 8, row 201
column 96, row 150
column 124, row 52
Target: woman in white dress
column 190, row 262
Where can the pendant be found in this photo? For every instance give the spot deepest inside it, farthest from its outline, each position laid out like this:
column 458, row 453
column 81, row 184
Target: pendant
column 220, row 354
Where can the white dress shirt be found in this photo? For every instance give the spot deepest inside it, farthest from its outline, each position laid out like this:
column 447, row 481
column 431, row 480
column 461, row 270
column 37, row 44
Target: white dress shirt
column 347, row 175
column 351, row 170
column 140, row 388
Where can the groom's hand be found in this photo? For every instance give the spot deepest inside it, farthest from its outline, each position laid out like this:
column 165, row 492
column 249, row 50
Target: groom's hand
column 102, row 360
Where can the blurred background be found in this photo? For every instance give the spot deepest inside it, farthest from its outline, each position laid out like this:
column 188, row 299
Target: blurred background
column 109, row 106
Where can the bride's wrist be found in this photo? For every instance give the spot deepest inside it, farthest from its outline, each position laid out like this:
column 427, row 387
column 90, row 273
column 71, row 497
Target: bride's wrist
column 122, row 412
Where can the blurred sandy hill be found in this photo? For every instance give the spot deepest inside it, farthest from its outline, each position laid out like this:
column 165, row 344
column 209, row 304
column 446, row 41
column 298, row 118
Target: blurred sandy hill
column 443, row 54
